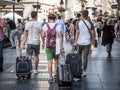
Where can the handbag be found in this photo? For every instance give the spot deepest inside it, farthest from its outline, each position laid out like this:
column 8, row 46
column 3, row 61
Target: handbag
column 113, row 34
column 95, row 44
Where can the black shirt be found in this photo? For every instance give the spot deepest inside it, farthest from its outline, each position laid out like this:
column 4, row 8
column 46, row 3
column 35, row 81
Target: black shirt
column 12, row 25
column 75, row 22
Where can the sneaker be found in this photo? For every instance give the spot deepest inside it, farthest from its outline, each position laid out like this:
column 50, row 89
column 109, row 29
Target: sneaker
column 50, row 81
column 55, row 76
column 35, row 71
column 76, row 79
column 84, row 74
column 109, row 53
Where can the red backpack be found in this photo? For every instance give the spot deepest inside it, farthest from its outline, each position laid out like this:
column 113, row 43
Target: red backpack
column 51, row 36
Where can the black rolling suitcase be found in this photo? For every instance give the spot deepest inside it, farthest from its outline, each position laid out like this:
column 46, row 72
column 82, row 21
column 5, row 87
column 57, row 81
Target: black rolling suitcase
column 64, row 74
column 75, row 62
column 23, row 67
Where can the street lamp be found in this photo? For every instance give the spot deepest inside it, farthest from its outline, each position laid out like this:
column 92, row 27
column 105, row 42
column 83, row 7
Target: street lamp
column 37, row 6
column 61, row 2
column 61, row 9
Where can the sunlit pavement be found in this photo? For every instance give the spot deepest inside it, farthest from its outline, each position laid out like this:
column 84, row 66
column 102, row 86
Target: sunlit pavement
column 103, row 72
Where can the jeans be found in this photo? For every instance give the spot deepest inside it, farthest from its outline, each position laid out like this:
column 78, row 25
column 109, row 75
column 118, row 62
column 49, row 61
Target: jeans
column 1, row 54
column 84, row 51
column 12, row 37
column 99, row 32
column 109, row 47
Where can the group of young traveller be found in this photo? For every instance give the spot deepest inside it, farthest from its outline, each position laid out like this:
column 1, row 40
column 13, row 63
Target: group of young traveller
column 50, row 36
column 32, row 34
column 34, row 30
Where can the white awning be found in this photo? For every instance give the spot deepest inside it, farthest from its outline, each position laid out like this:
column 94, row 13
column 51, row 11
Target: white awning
column 10, row 15
column 8, row 2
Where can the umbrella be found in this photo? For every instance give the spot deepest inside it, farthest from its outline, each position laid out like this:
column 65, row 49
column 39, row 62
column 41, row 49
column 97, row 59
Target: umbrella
column 10, row 15
column 8, row 2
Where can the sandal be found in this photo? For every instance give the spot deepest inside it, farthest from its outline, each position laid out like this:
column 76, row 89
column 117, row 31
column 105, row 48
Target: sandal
column 55, row 76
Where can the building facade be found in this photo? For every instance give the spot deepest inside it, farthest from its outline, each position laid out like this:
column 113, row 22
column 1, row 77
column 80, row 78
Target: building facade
column 71, row 7
column 46, row 7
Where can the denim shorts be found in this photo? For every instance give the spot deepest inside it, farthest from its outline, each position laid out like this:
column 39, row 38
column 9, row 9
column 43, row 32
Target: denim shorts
column 33, row 49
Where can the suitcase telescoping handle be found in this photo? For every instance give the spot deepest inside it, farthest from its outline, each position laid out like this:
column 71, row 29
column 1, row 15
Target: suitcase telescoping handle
column 62, row 58
column 20, row 51
column 74, row 50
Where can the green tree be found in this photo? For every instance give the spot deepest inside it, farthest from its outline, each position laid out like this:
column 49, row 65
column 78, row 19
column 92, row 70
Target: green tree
column 83, row 3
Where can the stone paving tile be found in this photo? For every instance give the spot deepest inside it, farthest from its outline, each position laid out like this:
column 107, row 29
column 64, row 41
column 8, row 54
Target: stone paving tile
column 103, row 72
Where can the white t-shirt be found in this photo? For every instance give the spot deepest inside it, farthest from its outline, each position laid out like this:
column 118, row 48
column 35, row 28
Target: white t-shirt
column 84, row 35
column 33, row 28
column 58, row 28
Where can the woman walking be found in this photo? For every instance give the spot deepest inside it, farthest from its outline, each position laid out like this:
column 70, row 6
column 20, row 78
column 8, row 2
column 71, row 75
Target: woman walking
column 108, row 36
column 98, row 28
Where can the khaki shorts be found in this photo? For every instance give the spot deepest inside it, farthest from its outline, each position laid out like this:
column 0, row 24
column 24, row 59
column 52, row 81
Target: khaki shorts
column 51, row 54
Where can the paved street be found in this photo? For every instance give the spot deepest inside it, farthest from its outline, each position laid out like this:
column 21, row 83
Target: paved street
column 103, row 72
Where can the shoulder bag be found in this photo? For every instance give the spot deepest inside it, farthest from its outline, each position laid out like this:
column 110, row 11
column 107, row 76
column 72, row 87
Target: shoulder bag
column 95, row 44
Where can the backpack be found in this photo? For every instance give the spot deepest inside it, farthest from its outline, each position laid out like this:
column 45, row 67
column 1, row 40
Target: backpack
column 51, row 36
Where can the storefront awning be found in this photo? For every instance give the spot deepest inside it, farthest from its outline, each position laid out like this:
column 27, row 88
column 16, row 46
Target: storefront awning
column 8, row 2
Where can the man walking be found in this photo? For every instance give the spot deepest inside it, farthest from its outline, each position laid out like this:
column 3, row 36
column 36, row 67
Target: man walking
column 62, row 24
column 83, row 39
column 12, row 26
column 33, row 30
column 75, row 22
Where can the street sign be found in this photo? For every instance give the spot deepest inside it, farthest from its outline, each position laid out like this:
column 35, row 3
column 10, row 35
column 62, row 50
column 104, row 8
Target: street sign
column 114, row 6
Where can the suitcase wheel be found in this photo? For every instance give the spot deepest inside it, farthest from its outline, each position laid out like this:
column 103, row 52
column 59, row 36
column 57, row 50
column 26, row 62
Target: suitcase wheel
column 29, row 77
column 18, row 77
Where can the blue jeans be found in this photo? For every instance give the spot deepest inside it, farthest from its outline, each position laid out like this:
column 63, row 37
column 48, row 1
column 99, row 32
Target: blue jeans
column 1, row 53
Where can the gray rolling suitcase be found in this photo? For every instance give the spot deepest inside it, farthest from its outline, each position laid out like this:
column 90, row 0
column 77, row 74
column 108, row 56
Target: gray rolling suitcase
column 64, row 75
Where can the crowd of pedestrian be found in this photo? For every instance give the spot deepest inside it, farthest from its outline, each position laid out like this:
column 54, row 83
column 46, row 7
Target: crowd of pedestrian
column 81, row 32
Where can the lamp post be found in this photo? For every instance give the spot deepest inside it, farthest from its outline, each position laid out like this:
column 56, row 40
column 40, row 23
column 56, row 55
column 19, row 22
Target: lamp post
column 61, row 8
column 14, row 12
column 61, row 2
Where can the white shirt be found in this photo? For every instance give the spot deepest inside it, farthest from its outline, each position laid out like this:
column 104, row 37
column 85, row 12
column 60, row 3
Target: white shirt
column 84, row 35
column 99, row 24
column 33, row 28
